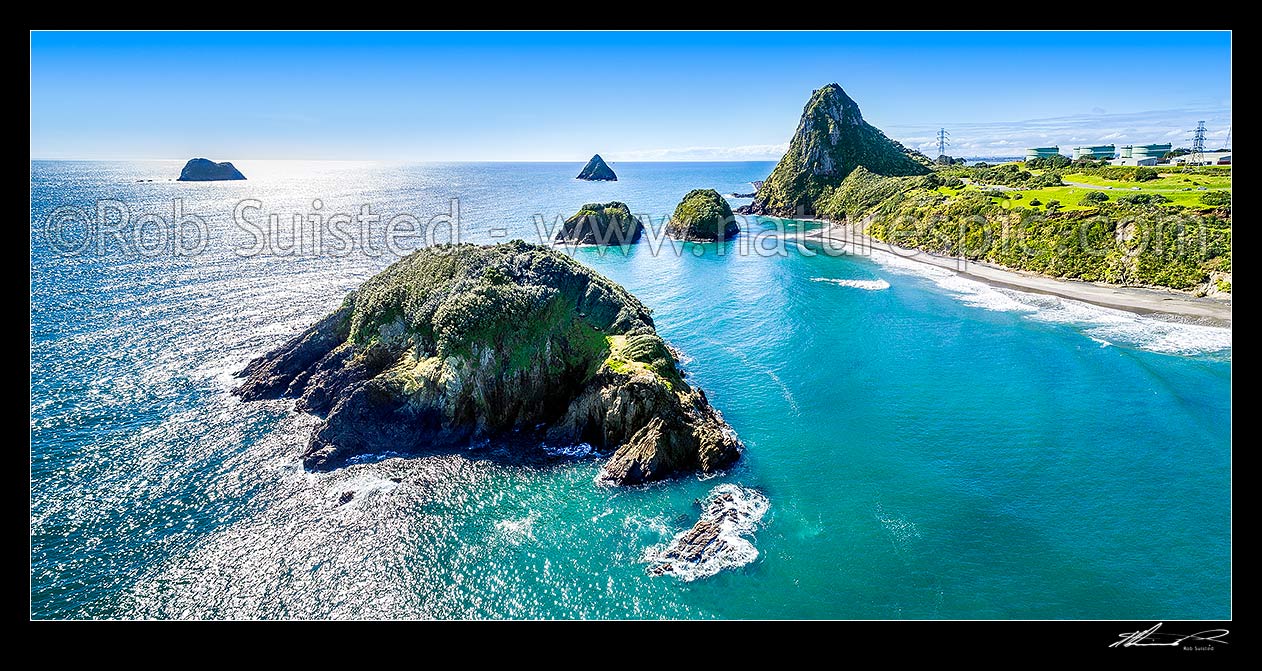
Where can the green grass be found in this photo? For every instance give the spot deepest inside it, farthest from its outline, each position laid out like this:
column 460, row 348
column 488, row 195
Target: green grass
column 643, row 353
column 1170, row 185
column 1166, row 182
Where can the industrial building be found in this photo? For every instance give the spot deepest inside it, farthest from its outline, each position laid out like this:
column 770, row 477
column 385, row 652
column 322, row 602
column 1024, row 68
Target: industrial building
column 1208, row 158
column 1095, row 151
column 1130, row 154
column 1130, row 160
column 1041, row 152
column 1142, row 151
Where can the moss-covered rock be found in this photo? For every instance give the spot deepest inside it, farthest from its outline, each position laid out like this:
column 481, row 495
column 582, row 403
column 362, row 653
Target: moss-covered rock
column 703, row 214
column 602, row 224
column 514, row 342
column 831, row 140
column 597, row 170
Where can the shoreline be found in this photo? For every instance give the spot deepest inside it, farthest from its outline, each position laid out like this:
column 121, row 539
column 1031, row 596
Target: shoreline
column 1140, row 300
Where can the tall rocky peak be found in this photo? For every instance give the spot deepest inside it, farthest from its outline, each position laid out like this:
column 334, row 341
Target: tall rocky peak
column 831, row 140
column 597, row 170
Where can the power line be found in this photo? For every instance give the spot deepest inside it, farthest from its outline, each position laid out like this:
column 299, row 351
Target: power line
column 1197, row 156
column 944, row 141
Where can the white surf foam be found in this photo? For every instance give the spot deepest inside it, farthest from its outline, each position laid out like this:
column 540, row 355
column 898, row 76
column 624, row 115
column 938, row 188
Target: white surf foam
column 867, row 285
column 518, row 531
column 1106, row 325
column 738, row 516
column 577, row 451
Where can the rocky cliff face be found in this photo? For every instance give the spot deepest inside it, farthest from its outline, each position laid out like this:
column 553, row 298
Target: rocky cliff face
column 702, row 215
column 831, row 140
column 601, row 224
column 597, row 170
column 206, row 170
column 514, row 342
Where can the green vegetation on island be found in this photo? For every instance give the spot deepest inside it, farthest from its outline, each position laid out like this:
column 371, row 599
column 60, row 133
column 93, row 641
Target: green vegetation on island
column 456, row 344
column 601, row 224
column 703, row 215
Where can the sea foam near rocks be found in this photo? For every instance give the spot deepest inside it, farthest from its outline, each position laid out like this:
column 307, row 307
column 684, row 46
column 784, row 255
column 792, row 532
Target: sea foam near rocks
column 718, row 541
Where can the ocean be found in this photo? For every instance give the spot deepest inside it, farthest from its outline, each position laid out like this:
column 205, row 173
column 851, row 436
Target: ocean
column 919, row 445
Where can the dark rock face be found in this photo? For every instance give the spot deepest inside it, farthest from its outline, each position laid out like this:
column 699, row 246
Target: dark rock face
column 205, row 170
column 831, row 140
column 597, row 170
column 702, row 215
column 457, row 344
column 601, row 224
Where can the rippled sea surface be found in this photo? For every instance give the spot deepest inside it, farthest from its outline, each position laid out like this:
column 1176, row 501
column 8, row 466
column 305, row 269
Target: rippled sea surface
column 923, row 446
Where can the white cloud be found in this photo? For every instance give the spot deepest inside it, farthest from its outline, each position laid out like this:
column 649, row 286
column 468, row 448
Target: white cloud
column 748, row 152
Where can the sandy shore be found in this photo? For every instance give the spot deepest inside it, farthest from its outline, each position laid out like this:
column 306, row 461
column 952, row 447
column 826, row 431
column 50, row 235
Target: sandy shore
column 840, row 237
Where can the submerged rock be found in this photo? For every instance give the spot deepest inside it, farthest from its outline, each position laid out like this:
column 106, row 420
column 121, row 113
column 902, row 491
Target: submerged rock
column 517, row 343
column 831, row 140
column 717, row 541
column 597, row 170
column 206, row 170
column 703, row 214
column 601, row 224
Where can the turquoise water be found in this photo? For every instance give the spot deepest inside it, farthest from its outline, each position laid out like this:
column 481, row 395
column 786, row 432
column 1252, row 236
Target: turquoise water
column 930, row 447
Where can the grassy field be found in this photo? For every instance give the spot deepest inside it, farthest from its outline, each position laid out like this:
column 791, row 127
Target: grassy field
column 1180, row 188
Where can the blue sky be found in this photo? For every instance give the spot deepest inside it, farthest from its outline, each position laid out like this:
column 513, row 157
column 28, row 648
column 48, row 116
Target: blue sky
column 629, row 96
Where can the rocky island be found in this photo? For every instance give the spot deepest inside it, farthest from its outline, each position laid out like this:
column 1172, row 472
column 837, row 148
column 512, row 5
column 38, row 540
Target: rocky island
column 831, row 140
column 597, row 170
column 703, row 215
column 601, row 224
column 516, row 343
column 206, row 170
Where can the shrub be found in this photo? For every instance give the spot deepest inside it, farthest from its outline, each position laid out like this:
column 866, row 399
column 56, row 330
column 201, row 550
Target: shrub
column 1017, row 196
column 1142, row 199
column 1049, row 162
column 954, row 183
column 1145, row 174
column 1094, row 197
column 1035, row 202
column 1216, row 198
column 1053, row 205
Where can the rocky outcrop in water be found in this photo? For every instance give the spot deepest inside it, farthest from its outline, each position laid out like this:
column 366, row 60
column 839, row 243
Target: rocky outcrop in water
column 601, row 224
column 703, row 215
column 206, row 170
column 518, row 344
column 831, row 140
column 597, row 170
column 717, row 541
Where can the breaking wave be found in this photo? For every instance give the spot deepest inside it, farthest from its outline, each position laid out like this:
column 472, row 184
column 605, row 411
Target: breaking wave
column 1107, row 326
